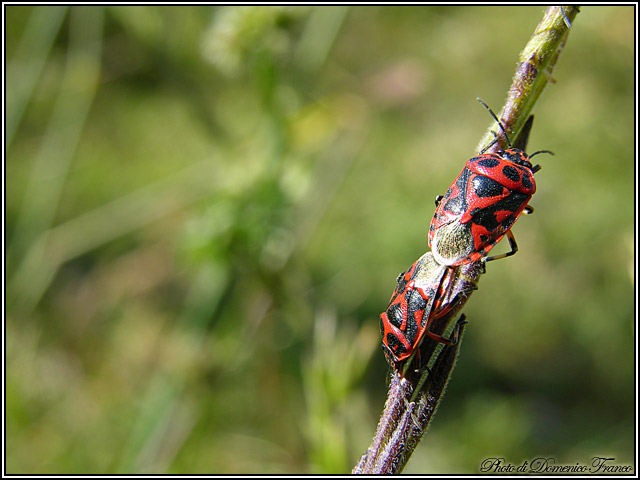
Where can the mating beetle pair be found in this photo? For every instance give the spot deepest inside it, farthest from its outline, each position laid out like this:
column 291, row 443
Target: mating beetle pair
column 476, row 212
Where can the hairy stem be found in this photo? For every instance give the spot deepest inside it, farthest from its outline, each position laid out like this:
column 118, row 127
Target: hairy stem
column 535, row 65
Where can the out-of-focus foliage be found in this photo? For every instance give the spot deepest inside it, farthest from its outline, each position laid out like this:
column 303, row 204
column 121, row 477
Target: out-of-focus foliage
column 207, row 208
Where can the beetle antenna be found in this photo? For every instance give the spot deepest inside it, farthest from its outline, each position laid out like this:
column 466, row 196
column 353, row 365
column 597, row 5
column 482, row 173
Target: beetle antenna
column 496, row 119
column 541, row 151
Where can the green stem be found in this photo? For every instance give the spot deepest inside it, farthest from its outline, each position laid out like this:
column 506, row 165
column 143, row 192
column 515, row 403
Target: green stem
column 535, row 65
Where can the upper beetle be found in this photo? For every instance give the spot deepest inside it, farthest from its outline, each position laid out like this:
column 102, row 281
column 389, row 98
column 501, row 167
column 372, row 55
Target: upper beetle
column 482, row 204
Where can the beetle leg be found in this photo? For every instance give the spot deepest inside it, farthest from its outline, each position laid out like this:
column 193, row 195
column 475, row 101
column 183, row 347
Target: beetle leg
column 454, row 337
column 495, row 136
column 452, row 303
column 512, row 243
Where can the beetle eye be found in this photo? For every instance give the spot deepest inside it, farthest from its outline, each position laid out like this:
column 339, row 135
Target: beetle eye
column 517, row 156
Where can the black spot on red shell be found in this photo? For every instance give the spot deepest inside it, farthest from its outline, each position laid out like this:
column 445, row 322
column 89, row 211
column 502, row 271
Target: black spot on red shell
column 527, row 181
column 486, row 217
column 488, row 161
column 395, row 345
column 394, row 314
column 511, row 173
column 486, row 187
column 455, row 205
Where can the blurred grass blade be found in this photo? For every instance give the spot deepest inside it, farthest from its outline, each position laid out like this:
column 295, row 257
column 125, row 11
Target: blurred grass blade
column 322, row 28
column 51, row 165
column 77, row 236
column 337, row 361
column 27, row 62
column 161, row 424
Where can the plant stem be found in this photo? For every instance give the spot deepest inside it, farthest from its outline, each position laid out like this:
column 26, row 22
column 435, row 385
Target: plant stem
column 535, row 65
column 413, row 399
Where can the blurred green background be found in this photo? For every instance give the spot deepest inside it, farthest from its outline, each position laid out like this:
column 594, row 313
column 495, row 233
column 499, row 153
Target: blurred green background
column 207, row 208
